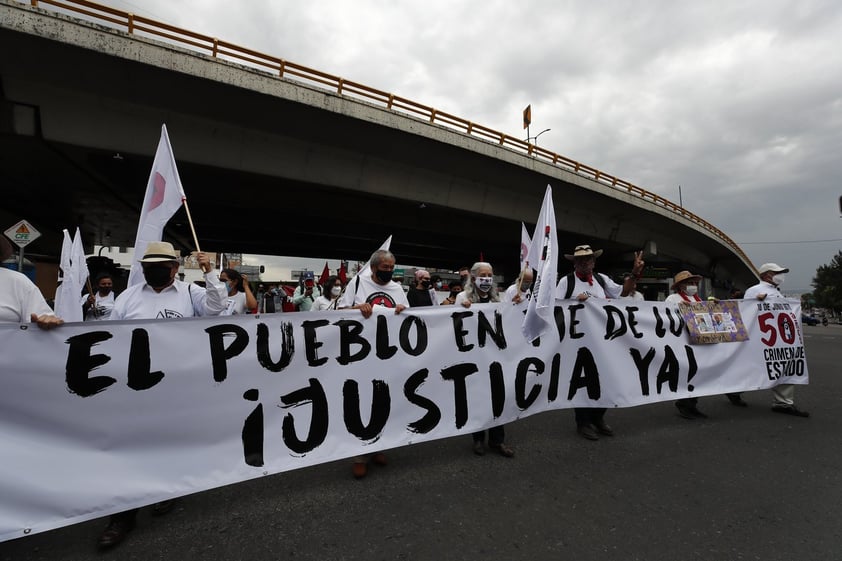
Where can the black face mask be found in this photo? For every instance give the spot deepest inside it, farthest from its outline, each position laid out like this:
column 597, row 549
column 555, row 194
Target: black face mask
column 425, row 283
column 383, row 276
column 157, row 277
column 104, row 291
column 454, row 293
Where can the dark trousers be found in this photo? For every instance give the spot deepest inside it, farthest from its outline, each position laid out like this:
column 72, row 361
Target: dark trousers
column 589, row 415
column 688, row 402
column 496, row 436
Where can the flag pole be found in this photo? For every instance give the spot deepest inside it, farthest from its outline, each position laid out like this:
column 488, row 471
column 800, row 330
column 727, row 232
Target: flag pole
column 192, row 228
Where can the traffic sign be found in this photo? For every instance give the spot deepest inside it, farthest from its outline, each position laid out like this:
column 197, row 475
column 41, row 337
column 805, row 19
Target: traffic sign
column 22, row 233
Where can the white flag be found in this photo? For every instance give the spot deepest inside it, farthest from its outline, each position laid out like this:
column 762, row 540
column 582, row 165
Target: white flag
column 543, row 256
column 78, row 262
column 74, row 273
column 525, row 242
column 66, row 301
column 347, row 298
column 164, row 196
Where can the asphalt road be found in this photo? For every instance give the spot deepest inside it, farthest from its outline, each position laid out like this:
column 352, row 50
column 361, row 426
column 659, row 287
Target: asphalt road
column 745, row 484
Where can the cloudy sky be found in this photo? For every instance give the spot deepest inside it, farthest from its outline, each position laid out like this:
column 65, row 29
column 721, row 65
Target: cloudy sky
column 740, row 103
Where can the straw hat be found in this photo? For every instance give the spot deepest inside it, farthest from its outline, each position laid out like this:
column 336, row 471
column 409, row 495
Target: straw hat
column 583, row 251
column 159, row 252
column 684, row 276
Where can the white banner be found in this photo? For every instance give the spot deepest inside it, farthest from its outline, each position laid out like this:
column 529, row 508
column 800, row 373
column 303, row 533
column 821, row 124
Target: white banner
column 97, row 418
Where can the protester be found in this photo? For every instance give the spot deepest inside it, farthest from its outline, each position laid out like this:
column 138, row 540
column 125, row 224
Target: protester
column 162, row 296
column 772, row 277
column 465, row 276
column 240, row 298
column 329, row 298
column 521, row 290
column 455, row 287
column 584, row 283
column 306, row 292
column 630, row 288
column 422, row 293
column 270, row 302
column 97, row 306
column 685, row 288
column 20, row 299
column 480, row 291
column 365, row 292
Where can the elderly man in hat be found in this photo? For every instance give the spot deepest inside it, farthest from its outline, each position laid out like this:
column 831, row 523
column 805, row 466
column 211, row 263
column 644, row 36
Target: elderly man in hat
column 685, row 288
column 584, row 283
column 20, row 299
column 162, row 296
column 771, row 278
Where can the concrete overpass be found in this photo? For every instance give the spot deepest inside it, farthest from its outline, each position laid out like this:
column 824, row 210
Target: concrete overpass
column 284, row 160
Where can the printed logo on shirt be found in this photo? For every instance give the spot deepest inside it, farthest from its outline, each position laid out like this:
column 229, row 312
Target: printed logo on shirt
column 168, row 314
column 380, row 299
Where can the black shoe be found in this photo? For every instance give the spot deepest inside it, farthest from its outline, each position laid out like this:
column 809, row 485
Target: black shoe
column 159, row 509
column 587, row 431
column 736, row 400
column 603, row 428
column 114, row 533
column 697, row 414
column 479, row 449
column 685, row 412
column 790, row 410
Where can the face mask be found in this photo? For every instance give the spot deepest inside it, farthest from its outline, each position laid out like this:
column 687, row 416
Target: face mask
column 157, row 277
column 227, row 286
column 438, row 285
column 336, row 290
column 383, row 276
column 778, row 279
column 425, row 283
column 691, row 290
column 484, row 283
column 105, row 291
column 524, row 286
column 454, row 293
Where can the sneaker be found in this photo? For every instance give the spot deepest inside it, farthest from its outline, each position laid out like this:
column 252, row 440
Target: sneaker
column 790, row 410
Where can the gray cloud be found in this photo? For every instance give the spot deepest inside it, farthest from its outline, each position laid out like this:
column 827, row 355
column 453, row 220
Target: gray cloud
column 740, row 103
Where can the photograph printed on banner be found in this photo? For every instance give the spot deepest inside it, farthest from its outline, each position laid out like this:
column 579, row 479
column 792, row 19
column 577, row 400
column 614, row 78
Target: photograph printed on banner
column 713, row 322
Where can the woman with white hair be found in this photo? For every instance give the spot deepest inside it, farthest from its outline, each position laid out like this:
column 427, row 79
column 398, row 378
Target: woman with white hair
column 480, row 291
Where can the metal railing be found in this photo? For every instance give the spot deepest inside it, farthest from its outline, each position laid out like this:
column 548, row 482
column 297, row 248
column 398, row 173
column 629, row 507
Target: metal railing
column 223, row 50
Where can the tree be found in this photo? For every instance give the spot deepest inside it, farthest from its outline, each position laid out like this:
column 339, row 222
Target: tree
column 828, row 284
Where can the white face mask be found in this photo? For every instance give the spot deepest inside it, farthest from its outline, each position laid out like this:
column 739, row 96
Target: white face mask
column 484, row 283
column 778, row 279
column 336, row 290
column 691, row 290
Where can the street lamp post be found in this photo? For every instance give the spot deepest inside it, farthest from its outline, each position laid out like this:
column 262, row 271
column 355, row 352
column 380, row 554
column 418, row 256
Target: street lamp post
column 535, row 138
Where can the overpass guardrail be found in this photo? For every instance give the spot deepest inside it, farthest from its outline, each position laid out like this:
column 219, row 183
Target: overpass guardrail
column 216, row 48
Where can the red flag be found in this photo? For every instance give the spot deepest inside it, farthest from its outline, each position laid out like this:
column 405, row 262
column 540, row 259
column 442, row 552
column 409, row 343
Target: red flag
column 325, row 274
column 481, row 258
column 343, row 272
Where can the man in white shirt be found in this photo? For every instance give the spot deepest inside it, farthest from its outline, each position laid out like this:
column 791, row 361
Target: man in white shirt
column 771, row 278
column 162, row 296
column 20, row 299
column 98, row 306
column 581, row 284
column 363, row 293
